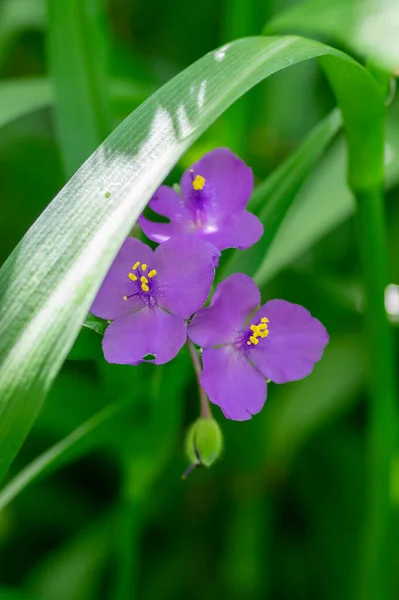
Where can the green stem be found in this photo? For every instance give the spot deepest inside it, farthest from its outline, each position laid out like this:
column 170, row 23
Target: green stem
column 204, row 403
column 382, row 421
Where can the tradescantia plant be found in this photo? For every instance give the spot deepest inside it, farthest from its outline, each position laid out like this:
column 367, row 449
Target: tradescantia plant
column 52, row 278
column 149, row 296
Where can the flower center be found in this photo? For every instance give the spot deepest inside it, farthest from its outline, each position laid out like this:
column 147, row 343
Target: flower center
column 259, row 330
column 142, row 277
column 198, row 182
column 199, row 199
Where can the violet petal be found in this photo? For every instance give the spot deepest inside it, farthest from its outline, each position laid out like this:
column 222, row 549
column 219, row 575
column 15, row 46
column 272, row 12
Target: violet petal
column 234, row 299
column 147, row 331
column 186, row 269
column 232, row 383
column 166, row 202
column 240, row 230
column 229, row 177
column 109, row 302
column 296, row 341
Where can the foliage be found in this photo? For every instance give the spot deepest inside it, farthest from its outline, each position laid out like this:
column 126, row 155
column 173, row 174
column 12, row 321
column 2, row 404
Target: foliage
column 94, row 495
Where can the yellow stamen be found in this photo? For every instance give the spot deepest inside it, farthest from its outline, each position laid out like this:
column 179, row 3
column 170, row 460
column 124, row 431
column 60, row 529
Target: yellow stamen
column 143, row 279
column 132, row 277
column 152, row 273
column 258, row 331
column 145, row 287
column 143, row 267
column 191, row 170
column 198, row 182
column 136, row 264
column 125, row 297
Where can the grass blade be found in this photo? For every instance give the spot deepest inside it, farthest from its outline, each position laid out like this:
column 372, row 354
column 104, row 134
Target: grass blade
column 368, row 27
column 78, row 65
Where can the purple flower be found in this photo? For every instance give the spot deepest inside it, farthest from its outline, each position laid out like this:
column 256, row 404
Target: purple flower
column 281, row 341
column 214, row 194
column 148, row 295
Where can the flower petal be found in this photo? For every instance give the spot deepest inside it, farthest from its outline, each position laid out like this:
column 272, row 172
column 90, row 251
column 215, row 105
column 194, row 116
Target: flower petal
column 160, row 232
column 229, row 177
column 296, row 341
column 147, row 331
column 232, row 383
column 109, row 303
column 186, row 268
column 240, row 230
column 166, row 202
column 234, row 300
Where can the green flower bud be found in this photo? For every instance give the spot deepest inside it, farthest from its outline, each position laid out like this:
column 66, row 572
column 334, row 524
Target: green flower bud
column 204, row 443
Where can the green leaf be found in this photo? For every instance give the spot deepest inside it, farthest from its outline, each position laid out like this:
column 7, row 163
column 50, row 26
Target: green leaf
column 272, row 198
column 23, row 96
column 95, row 323
column 50, row 280
column 368, row 27
column 78, row 64
column 67, row 450
column 142, row 445
column 20, row 97
column 321, row 204
column 17, row 16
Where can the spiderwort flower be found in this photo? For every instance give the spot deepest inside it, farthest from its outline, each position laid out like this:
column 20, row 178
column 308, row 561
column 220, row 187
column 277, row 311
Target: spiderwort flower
column 214, row 194
column 281, row 341
column 148, row 295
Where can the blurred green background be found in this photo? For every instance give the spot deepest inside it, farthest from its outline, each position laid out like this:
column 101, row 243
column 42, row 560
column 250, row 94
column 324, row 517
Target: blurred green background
column 279, row 516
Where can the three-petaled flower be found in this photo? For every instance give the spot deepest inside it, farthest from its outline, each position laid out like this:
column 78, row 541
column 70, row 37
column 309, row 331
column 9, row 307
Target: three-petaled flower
column 149, row 295
column 281, row 342
column 214, row 195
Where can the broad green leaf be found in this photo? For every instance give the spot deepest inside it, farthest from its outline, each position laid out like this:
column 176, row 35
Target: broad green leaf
column 272, row 198
column 77, row 41
column 369, row 27
column 49, row 281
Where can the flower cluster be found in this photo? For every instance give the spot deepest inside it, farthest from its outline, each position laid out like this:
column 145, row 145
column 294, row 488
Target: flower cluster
column 155, row 299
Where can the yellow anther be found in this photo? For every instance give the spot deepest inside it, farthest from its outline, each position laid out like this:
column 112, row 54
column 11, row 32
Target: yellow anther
column 144, row 287
column 198, row 182
column 136, row 264
column 143, row 279
column 132, row 277
column 125, row 297
column 152, row 273
column 191, row 170
column 143, row 267
column 258, row 331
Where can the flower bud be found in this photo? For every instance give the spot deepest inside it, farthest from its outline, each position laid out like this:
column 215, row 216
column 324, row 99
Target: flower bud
column 204, row 443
